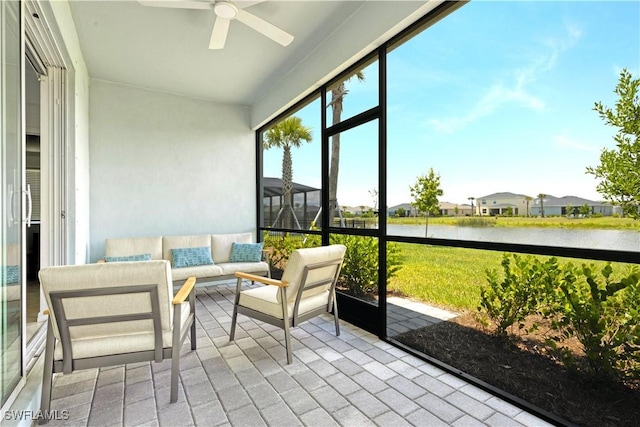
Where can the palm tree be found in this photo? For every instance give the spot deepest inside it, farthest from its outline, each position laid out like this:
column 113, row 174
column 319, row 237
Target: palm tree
column 286, row 134
column 471, row 199
column 528, row 199
column 337, row 95
column 541, row 196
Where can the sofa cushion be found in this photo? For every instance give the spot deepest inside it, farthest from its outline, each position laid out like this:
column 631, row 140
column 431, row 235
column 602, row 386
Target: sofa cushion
column 191, row 257
column 229, row 268
column 221, row 245
column 128, row 258
column 200, row 271
column 11, row 273
column 134, row 245
column 246, row 252
column 176, row 242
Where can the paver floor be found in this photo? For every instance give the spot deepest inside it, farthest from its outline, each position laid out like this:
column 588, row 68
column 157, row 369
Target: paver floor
column 351, row 380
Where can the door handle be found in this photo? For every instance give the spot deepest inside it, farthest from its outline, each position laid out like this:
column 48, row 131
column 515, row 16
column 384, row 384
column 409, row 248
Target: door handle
column 29, row 205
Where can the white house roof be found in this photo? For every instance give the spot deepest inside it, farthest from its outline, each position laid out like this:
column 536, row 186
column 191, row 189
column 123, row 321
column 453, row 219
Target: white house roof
column 503, row 195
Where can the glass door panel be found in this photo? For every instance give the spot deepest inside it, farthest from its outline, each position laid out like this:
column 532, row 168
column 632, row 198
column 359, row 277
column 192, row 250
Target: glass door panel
column 11, row 271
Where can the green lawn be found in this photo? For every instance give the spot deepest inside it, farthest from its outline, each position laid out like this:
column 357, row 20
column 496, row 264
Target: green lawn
column 452, row 277
column 448, row 277
column 606, row 223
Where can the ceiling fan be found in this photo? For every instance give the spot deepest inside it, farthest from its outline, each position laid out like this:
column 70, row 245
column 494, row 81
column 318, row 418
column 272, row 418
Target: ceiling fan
column 227, row 11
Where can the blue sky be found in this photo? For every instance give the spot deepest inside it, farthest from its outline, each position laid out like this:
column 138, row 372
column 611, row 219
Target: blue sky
column 496, row 97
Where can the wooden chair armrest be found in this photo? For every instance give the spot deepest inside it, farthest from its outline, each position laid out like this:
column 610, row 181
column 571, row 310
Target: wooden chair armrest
column 262, row 279
column 184, row 291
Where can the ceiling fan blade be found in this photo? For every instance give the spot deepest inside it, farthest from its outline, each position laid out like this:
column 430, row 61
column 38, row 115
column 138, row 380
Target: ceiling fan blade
column 265, row 28
column 178, row 4
column 219, row 33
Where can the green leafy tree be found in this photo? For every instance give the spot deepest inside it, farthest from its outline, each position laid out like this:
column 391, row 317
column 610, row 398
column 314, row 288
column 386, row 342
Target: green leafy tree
column 569, row 209
column 619, row 169
column 401, row 212
column 286, row 134
column 425, row 195
column 584, row 210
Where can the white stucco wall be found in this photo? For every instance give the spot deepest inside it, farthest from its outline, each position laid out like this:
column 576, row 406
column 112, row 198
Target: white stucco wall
column 77, row 133
column 163, row 164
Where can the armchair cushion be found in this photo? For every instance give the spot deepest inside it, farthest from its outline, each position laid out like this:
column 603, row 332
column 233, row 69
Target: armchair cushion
column 70, row 278
column 304, row 257
column 264, row 299
column 246, row 252
column 98, row 345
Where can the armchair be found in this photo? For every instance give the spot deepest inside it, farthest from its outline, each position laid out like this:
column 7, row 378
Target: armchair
column 114, row 313
column 306, row 290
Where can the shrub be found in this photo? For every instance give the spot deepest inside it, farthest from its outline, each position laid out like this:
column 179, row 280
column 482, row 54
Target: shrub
column 518, row 294
column 475, row 221
column 359, row 275
column 604, row 315
column 280, row 246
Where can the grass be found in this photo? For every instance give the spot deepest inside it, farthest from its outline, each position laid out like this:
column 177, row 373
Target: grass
column 606, row 223
column 452, row 277
column 448, row 277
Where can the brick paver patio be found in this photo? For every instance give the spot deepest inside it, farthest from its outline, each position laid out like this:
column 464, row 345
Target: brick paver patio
column 351, row 380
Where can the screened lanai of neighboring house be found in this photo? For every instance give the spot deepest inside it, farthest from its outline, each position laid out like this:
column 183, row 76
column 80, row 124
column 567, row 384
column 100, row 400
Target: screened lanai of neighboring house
column 305, row 203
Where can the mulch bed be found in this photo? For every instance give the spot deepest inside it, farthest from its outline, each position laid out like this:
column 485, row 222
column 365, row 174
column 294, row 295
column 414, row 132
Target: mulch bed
column 526, row 368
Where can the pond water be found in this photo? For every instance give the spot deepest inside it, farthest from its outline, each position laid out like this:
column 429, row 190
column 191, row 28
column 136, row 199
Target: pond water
column 624, row 240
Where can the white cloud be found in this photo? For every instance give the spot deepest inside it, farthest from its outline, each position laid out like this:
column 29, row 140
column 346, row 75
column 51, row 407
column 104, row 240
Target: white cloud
column 567, row 142
column 515, row 89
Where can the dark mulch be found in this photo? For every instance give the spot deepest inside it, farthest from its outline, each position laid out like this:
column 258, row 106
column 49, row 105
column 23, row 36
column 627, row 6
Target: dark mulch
column 527, row 369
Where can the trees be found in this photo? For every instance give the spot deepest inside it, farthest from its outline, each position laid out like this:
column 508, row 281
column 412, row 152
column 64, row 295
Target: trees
column 541, row 197
column 619, row 169
column 528, row 199
column 471, row 199
column 425, row 195
column 286, row 134
column 338, row 93
column 584, row 210
column 569, row 210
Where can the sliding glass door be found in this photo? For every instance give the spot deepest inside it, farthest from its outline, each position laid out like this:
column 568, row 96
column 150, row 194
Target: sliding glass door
column 11, row 271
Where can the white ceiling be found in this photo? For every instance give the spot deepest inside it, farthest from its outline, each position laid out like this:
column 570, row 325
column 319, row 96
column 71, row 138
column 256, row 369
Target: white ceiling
column 166, row 49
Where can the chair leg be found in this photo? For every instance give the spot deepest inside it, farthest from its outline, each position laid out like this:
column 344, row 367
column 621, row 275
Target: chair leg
column 47, row 374
column 287, row 341
column 175, row 371
column 232, row 333
column 192, row 307
column 335, row 315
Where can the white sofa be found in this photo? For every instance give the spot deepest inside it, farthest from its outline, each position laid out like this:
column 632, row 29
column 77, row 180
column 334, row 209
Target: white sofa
column 160, row 247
